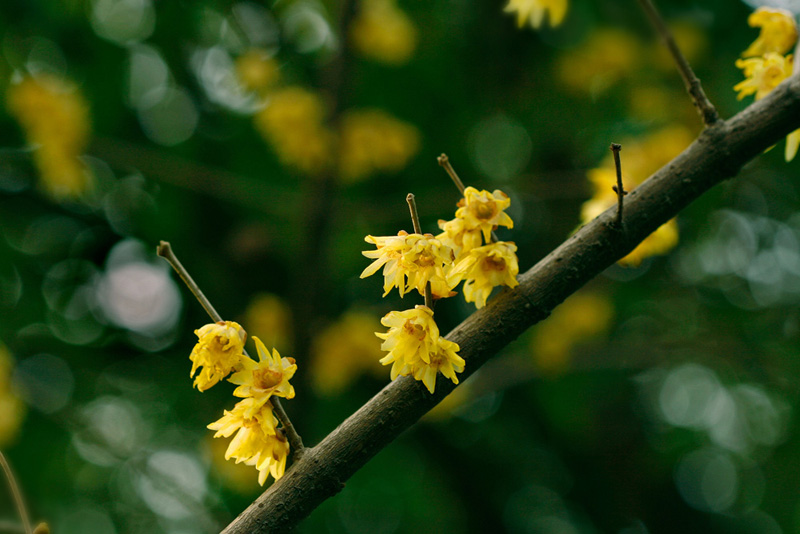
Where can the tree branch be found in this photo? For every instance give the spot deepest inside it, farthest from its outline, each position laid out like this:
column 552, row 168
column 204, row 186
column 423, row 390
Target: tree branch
column 693, row 85
column 716, row 155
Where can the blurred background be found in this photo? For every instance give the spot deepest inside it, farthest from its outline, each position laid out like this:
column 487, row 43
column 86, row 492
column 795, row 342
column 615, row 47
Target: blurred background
column 264, row 140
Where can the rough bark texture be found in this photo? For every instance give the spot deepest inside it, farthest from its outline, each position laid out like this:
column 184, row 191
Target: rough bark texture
column 717, row 154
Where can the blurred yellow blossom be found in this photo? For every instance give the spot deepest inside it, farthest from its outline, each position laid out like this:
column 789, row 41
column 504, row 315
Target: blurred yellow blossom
column 257, row 441
column 257, row 70
column 238, row 477
column 778, row 31
column 265, row 378
column 581, row 317
column 640, row 159
column 343, row 351
column 270, row 316
column 383, row 32
column 218, row 351
column 607, row 56
column 409, row 262
column 374, row 141
column 292, row 122
column 411, row 338
column 485, row 268
column 762, row 74
column 12, row 408
column 533, row 11
column 55, row 118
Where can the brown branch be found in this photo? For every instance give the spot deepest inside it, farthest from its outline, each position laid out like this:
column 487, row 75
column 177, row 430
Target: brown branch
column 693, row 85
column 164, row 250
column 618, row 189
column 716, row 155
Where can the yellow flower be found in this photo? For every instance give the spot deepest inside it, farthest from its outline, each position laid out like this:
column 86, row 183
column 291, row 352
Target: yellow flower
column 443, row 359
column 535, row 11
column 581, row 317
column 607, row 56
column 412, row 337
column 792, row 142
column 218, row 351
column 763, row 74
column 484, row 210
column 457, row 237
column 418, row 258
column 55, row 118
column 640, row 159
column 374, row 141
column 778, row 31
column 270, row 316
column 265, row 378
column 11, row 405
column 383, row 32
column 343, row 351
column 257, row 70
column 485, row 268
column 257, row 441
column 292, row 122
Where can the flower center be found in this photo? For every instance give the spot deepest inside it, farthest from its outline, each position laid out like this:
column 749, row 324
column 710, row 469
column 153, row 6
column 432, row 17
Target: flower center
column 414, row 330
column 484, row 210
column 491, row 263
column 266, row 378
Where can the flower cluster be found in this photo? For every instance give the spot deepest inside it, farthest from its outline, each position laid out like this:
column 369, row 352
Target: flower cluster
column 534, row 11
column 480, row 262
column 258, row 441
column 55, row 118
column 464, row 251
column 643, row 157
column 765, row 63
column 415, row 347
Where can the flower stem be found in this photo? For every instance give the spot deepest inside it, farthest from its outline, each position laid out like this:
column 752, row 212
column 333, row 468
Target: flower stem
column 412, row 207
column 164, row 250
column 618, row 189
column 693, row 86
column 15, row 491
column 444, row 161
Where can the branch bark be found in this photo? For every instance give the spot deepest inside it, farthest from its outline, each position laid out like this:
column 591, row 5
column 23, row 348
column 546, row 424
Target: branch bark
column 716, row 155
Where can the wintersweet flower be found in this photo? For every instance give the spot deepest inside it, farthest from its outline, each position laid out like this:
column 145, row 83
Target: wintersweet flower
column 411, row 338
column 534, row 11
column 778, row 31
column 485, row 268
column 443, row 359
column 484, row 210
column 218, row 351
column 257, row 441
column 265, row 378
column 410, row 261
column 457, row 237
column 792, row 142
column 257, row 70
column 762, row 74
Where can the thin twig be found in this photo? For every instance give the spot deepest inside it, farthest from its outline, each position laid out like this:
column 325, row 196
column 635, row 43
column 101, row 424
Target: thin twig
column 164, row 250
column 618, row 189
column 18, row 500
column 693, row 86
column 444, row 161
column 412, row 207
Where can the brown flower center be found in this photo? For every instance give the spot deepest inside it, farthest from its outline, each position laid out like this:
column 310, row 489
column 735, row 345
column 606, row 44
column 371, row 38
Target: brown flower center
column 491, row 263
column 414, row 330
column 266, row 378
column 484, row 210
